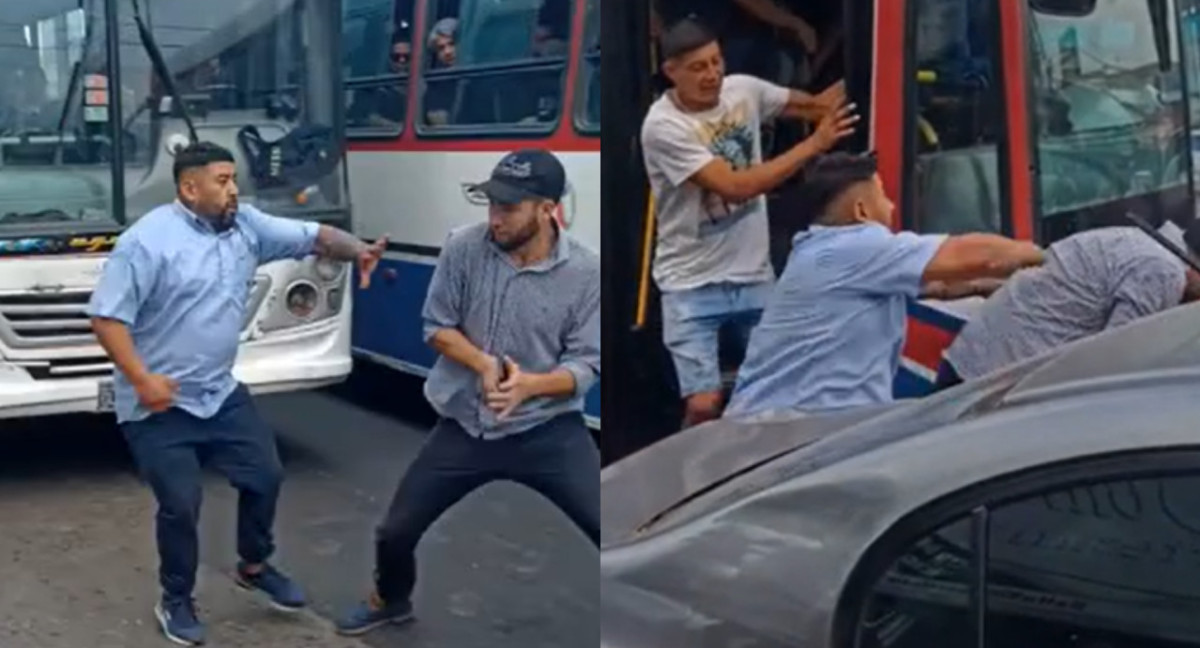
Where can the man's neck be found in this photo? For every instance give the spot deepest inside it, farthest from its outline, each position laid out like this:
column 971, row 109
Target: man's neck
column 689, row 107
column 536, row 249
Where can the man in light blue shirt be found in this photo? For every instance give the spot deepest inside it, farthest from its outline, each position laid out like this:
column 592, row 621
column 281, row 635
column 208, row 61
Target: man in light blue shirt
column 168, row 310
column 831, row 335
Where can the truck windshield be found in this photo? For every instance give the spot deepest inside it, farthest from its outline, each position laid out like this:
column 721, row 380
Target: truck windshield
column 247, row 72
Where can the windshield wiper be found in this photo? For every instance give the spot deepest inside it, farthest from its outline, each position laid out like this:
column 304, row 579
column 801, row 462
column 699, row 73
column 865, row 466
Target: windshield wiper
column 53, row 215
column 160, row 68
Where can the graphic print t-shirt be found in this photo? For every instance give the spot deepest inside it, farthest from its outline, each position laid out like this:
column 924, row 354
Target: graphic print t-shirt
column 702, row 238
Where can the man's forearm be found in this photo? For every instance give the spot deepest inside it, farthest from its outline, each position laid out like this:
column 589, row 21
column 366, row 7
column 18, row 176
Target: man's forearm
column 948, row 291
column 454, row 345
column 339, row 245
column 772, row 14
column 557, row 383
column 116, row 341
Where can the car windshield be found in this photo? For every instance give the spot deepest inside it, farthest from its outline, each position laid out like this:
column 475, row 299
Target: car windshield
column 235, row 64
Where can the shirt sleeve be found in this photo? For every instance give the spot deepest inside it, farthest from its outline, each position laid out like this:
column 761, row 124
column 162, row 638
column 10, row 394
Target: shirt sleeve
column 126, row 282
column 879, row 262
column 581, row 355
column 444, row 301
column 770, row 98
column 281, row 238
column 669, row 147
column 1150, row 287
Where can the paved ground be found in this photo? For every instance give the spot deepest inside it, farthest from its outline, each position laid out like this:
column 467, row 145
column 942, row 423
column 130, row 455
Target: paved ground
column 77, row 561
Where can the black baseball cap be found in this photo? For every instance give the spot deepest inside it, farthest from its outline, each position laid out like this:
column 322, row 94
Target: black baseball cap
column 527, row 174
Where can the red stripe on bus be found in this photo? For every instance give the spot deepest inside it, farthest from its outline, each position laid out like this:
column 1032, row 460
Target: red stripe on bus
column 887, row 118
column 1016, row 71
column 924, row 343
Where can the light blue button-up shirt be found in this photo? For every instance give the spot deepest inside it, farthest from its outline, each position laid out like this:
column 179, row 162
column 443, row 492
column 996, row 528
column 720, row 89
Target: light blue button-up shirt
column 831, row 335
column 181, row 286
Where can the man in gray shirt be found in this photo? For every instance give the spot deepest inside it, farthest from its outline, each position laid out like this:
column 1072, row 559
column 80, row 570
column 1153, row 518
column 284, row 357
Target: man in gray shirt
column 514, row 311
column 1091, row 281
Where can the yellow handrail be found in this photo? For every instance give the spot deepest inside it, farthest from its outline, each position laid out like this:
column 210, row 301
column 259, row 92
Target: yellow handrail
column 647, row 251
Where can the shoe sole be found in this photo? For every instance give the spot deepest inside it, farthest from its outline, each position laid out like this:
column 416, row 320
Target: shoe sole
column 237, row 579
column 400, row 620
column 162, row 624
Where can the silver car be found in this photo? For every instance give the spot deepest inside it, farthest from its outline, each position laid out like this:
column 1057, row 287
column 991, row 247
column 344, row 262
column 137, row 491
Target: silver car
column 1054, row 503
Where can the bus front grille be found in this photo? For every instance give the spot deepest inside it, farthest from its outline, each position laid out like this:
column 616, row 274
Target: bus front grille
column 33, row 320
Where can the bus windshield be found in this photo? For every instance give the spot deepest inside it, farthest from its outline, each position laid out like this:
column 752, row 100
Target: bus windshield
column 1110, row 118
column 247, row 73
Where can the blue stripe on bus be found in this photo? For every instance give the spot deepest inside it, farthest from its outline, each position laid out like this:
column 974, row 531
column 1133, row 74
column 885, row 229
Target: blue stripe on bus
column 387, row 318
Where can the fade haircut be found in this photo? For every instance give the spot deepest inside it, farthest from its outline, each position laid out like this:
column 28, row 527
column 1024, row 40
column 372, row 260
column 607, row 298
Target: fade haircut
column 830, row 175
column 198, row 155
column 685, row 37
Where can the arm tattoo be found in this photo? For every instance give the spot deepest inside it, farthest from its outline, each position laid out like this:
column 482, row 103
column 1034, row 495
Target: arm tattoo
column 336, row 244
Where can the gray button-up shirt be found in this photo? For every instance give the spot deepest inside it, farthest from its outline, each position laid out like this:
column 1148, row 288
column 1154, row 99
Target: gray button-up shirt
column 545, row 317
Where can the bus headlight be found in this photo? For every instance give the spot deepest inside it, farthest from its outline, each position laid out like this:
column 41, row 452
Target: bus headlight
column 328, row 270
column 303, row 298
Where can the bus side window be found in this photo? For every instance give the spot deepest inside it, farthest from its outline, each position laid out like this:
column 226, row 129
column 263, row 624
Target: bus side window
column 587, row 102
column 377, row 40
column 957, row 185
column 494, row 65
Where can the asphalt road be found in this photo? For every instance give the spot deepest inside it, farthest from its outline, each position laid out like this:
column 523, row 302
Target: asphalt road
column 77, row 559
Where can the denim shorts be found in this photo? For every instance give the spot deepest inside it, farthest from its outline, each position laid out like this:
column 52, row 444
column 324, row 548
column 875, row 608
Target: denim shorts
column 692, row 320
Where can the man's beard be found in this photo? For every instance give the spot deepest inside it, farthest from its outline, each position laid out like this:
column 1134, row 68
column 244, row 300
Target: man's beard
column 521, row 237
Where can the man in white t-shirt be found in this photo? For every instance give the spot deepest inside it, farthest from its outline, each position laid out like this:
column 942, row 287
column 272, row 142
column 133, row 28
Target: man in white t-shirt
column 703, row 155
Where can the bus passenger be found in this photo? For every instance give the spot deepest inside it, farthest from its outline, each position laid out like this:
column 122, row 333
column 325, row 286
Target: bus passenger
column 1092, row 281
column 514, row 312
column 703, row 153
column 168, row 311
column 832, row 334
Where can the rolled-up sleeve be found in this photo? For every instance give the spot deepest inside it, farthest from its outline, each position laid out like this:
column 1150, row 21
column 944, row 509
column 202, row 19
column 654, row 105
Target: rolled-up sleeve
column 443, row 302
column 281, row 238
column 124, row 285
column 581, row 353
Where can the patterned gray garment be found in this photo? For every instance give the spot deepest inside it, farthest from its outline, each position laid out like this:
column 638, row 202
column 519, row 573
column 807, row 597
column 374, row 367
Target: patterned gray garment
column 1090, row 282
column 545, row 316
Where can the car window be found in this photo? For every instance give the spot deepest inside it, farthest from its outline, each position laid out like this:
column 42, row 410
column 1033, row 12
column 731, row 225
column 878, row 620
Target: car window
column 1114, row 564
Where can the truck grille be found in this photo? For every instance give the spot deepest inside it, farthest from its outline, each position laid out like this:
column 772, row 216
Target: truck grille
column 30, row 321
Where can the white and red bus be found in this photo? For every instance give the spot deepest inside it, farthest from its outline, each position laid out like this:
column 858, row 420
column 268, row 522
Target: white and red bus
column 526, row 73
column 1033, row 118
column 88, row 132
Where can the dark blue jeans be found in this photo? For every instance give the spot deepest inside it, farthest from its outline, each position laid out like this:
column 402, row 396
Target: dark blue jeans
column 557, row 459
column 170, row 448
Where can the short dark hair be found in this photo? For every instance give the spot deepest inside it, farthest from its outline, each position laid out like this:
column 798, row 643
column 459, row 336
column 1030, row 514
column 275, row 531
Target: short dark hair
column 830, row 175
column 685, row 36
column 199, row 154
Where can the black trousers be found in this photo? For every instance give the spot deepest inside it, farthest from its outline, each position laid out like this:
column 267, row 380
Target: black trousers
column 170, row 448
column 557, row 459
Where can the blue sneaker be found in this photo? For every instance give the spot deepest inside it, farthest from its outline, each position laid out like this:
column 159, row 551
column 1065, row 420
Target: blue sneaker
column 371, row 614
column 285, row 595
column 177, row 618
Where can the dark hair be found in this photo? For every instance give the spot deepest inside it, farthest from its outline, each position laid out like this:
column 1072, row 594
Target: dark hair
column 684, row 37
column 1191, row 236
column 829, row 176
column 200, row 154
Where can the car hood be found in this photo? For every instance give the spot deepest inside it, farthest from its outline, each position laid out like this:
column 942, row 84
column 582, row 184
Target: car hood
column 706, row 467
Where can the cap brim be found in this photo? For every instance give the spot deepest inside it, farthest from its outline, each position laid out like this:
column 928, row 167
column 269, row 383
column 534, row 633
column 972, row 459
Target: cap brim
column 502, row 193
